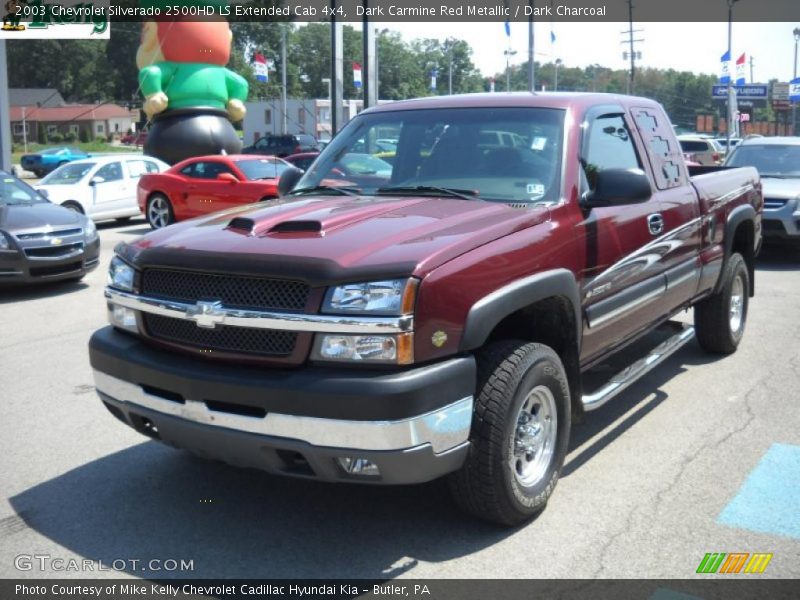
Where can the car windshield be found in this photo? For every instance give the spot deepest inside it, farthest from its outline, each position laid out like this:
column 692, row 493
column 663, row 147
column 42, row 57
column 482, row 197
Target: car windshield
column 51, row 151
column 773, row 160
column 498, row 154
column 68, row 174
column 13, row 191
column 266, row 168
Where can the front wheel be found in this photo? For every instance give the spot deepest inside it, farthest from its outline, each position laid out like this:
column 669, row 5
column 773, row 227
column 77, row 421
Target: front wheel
column 520, row 432
column 719, row 320
column 159, row 211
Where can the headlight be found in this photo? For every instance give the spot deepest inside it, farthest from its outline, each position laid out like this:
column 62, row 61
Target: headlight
column 89, row 231
column 120, row 275
column 389, row 297
column 4, row 243
column 388, row 349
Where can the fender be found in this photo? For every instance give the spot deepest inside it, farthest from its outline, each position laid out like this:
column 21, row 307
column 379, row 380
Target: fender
column 738, row 215
column 487, row 312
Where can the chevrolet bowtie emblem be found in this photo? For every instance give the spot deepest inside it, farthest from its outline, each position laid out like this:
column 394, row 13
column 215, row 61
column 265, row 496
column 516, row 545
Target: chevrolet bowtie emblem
column 56, row 241
column 206, row 314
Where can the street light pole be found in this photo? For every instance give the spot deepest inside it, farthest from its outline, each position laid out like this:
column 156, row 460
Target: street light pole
column 730, row 76
column 555, row 79
column 796, row 34
column 509, row 53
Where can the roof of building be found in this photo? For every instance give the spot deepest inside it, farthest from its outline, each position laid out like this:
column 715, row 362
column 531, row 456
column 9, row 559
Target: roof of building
column 34, row 97
column 71, row 112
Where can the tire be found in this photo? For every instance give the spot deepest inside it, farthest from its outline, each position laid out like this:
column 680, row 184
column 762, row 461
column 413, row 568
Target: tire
column 501, row 481
column 159, row 211
column 719, row 320
column 39, row 173
column 72, row 205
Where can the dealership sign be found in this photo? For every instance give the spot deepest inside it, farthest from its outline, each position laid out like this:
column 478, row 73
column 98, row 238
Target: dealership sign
column 743, row 92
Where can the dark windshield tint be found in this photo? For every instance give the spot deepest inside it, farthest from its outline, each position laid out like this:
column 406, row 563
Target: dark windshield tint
column 13, row 191
column 769, row 159
column 501, row 154
column 261, row 169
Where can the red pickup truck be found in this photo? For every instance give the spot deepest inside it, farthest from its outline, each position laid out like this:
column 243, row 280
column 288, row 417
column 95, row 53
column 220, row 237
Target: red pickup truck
column 435, row 319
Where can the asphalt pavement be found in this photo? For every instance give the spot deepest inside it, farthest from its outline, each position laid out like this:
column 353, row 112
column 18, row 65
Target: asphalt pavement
column 701, row 456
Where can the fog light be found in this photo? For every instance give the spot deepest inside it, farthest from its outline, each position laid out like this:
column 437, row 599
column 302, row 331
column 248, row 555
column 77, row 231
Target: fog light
column 358, row 466
column 122, row 317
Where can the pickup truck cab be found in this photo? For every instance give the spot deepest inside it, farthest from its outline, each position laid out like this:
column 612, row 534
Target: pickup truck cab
column 436, row 319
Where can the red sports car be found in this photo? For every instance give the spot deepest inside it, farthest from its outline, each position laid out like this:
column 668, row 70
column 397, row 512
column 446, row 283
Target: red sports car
column 206, row 184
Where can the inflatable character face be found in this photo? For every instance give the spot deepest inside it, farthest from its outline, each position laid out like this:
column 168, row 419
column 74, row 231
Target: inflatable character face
column 206, row 42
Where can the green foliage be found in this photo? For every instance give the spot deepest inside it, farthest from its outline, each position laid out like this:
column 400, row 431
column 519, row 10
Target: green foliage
column 56, row 138
column 41, row 133
column 70, row 137
column 84, row 135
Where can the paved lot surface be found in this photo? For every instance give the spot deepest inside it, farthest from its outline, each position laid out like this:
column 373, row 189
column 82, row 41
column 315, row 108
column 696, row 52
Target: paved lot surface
column 645, row 485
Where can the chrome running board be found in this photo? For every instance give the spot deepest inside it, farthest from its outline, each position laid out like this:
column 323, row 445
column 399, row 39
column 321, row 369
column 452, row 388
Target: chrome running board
column 641, row 367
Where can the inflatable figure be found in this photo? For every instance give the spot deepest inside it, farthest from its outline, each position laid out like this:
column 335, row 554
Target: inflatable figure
column 11, row 22
column 190, row 96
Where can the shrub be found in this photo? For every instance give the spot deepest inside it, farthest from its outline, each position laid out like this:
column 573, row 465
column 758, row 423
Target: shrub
column 56, row 138
column 70, row 137
column 84, row 135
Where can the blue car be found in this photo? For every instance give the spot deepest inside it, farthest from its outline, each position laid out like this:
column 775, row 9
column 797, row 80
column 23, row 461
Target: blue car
column 48, row 160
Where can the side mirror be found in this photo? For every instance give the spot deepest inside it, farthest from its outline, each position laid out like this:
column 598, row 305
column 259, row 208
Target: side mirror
column 614, row 187
column 96, row 180
column 288, row 180
column 229, row 177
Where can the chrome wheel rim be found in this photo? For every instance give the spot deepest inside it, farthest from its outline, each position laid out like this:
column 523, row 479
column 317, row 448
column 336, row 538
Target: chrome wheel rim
column 534, row 439
column 736, row 309
column 158, row 213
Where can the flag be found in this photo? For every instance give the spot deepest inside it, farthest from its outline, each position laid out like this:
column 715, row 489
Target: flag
column 508, row 29
column 552, row 38
column 356, row 75
column 725, row 73
column 260, row 67
column 740, row 65
column 794, row 90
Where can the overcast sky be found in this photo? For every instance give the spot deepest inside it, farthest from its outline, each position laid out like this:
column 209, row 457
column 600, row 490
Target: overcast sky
column 693, row 47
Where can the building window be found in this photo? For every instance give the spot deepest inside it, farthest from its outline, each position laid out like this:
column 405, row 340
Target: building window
column 100, row 128
column 73, row 128
column 18, row 128
column 268, row 116
column 52, row 130
column 325, row 115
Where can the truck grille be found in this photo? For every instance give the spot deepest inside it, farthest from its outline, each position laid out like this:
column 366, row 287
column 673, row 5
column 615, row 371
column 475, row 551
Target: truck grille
column 238, row 340
column 233, row 291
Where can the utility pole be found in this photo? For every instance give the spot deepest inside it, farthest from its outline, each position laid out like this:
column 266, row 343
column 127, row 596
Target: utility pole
column 509, row 53
column 796, row 34
column 450, row 69
column 284, row 107
column 731, row 92
column 555, row 79
column 752, row 80
column 5, row 124
column 337, row 71
column 369, row 73
column 631, row 50
column 531, row 65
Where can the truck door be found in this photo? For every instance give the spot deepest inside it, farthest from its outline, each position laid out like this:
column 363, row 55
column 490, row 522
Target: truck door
column 624, row 277
column 678, row 206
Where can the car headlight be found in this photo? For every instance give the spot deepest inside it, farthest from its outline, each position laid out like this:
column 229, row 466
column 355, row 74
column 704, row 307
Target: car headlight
column 120, row 275
column 4, row 243
column 381, row 349
column 388, row 297
column 89, row 231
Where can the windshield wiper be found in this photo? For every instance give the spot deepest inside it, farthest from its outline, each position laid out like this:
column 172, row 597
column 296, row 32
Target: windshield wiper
column 464, row 194
column 344, row 190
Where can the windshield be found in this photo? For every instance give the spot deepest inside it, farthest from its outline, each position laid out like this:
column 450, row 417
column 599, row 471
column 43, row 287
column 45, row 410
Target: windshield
column 496, row 154
column 68, row 174
column 13, row 191
column 770, row 159
column 52, row 151
column 266, row 168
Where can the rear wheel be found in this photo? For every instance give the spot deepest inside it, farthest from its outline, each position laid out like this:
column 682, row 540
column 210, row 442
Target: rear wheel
column 72, row 205
column 520, row 431
column 159, row 211
column 719, row 320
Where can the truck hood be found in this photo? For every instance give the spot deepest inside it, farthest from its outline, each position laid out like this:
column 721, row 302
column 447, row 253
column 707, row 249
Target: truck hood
column 780, row 188
column 27, row 217
column 325, row 240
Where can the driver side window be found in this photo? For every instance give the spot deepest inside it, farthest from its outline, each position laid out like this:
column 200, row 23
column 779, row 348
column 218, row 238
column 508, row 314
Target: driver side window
column 110, row 172
column 610, row 147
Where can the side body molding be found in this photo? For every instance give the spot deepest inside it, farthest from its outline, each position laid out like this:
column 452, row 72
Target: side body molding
column 487, row 312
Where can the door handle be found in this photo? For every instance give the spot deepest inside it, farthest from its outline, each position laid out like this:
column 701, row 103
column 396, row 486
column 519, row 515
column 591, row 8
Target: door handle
column 655, row 223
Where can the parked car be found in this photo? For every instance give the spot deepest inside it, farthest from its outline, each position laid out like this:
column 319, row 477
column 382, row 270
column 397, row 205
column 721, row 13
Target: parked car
column 43, row 162
column 723, row 143
column 283, row 145
column 135, row 139
column 103, row 187
column 40, row 241
column 303, row 160
column 438, row 322
column 206, row 184
column 704, row 149
column 778, row 161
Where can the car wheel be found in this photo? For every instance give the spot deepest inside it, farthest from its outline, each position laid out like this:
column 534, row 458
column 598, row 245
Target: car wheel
column 159, row 211
column 39, row 173
column 719, row 320
column 72, row 205
column 519, row 436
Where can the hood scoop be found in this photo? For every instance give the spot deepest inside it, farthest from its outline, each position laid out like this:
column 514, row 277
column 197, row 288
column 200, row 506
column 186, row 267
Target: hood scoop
column 297, row 227
column 242, row 224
